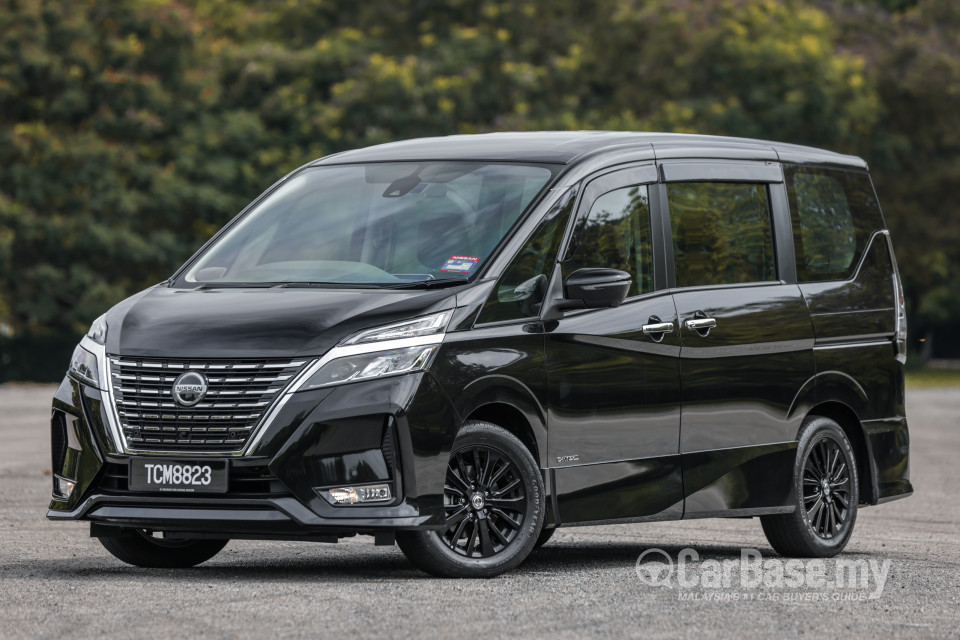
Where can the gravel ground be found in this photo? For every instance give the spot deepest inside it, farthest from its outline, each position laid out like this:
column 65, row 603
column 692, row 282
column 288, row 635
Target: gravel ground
column 57, row 582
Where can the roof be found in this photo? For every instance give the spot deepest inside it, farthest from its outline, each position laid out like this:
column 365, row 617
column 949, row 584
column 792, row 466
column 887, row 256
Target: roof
column 566, row 147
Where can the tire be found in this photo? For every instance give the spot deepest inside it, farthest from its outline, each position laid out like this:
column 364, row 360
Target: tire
column 494, row 503
column 141, row 549
column 827, row 492
column 544, row 537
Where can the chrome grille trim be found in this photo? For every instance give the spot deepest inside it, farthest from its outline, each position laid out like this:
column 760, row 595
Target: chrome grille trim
column 239, row 397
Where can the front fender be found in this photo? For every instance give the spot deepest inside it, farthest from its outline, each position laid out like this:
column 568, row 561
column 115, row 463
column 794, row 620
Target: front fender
column 498, row 389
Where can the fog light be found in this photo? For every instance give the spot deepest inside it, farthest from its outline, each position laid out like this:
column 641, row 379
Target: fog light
column 65, row 487
column 353, row 495
column 374, row 493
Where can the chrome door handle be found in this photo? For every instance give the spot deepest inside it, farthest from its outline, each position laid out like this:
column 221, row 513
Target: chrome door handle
column 657, row 327
column 700, row 324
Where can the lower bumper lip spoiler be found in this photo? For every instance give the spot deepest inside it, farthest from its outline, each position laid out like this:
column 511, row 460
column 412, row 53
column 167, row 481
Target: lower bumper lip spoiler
column 279, row 514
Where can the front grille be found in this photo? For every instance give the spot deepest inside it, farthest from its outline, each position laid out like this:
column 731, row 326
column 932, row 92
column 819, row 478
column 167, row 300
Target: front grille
column 239, row 393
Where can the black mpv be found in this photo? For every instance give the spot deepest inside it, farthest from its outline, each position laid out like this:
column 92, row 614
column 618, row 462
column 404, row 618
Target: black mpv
column 460, row 344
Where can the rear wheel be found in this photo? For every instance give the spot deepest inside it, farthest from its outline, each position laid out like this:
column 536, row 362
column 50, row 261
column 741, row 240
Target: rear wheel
column 827, row 493
column 143, row 548
column 494, row 505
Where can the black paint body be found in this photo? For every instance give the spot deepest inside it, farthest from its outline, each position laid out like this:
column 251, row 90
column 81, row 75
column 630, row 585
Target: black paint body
column 625, row 425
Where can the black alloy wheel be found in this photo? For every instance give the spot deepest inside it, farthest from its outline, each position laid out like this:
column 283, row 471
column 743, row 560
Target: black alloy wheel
column 826, row 489
column 493, row 508
column 485, row 502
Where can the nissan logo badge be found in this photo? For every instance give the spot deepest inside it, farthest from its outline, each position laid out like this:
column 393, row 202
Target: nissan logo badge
column 189, row 388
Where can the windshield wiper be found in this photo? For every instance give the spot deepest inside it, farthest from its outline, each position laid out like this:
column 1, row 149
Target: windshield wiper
column 237, row 285
column 328, row 285
column 429, row 284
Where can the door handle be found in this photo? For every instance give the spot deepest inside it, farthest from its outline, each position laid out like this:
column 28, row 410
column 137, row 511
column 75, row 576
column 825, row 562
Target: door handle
column 657, row 327
column 700, row 324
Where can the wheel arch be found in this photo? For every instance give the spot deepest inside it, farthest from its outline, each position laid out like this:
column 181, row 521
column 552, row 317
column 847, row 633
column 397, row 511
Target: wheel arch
column 511, row 405
column 849, row 421
column 829, row 386
column 510, row 418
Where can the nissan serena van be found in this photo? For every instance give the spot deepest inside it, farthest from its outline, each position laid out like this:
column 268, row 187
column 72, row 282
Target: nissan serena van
column 461, row 344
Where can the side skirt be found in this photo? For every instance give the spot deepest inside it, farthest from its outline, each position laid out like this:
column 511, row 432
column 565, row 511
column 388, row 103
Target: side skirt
column 625, row 491
column 739, row 481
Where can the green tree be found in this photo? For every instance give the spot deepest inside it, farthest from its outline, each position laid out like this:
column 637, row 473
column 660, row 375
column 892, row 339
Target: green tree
column 131, row 130
column 90, row 199
column 914, row 150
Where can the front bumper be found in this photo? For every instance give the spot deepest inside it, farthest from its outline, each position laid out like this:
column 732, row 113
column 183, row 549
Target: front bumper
column 394, row 430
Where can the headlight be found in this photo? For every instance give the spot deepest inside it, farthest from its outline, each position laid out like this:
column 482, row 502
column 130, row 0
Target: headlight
column 98, row 330
column 425, row 326
column 371, row 365
column 83, row 366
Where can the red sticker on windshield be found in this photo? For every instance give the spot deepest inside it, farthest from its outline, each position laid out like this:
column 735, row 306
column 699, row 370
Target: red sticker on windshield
column 460, row 264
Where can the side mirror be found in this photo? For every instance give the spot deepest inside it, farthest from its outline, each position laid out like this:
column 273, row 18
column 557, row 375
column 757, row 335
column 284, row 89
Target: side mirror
column 595, row 288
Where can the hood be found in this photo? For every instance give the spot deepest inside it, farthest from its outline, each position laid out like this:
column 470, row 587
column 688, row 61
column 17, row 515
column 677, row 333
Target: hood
column 256, row 323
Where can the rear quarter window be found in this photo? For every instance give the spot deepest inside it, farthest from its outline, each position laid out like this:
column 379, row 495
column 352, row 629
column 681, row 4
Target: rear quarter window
column 834, row 213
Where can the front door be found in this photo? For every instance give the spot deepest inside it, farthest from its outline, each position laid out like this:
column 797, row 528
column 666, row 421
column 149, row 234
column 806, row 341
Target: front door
column 613, row 375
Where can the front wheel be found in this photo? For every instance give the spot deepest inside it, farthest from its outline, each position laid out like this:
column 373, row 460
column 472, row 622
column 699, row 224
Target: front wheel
column 494, row 505
column 142, row 548
column 827, row 493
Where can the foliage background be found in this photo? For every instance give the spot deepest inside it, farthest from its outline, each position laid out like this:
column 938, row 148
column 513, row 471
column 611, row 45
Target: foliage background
column 131, row 130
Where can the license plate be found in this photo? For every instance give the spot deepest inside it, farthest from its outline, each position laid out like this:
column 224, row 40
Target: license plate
column 178, row 476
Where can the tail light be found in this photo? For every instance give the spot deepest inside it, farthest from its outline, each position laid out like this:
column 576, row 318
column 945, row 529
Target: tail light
column 900, row 322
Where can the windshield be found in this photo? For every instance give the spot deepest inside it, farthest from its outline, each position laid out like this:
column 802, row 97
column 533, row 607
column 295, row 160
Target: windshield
column 374, row 224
